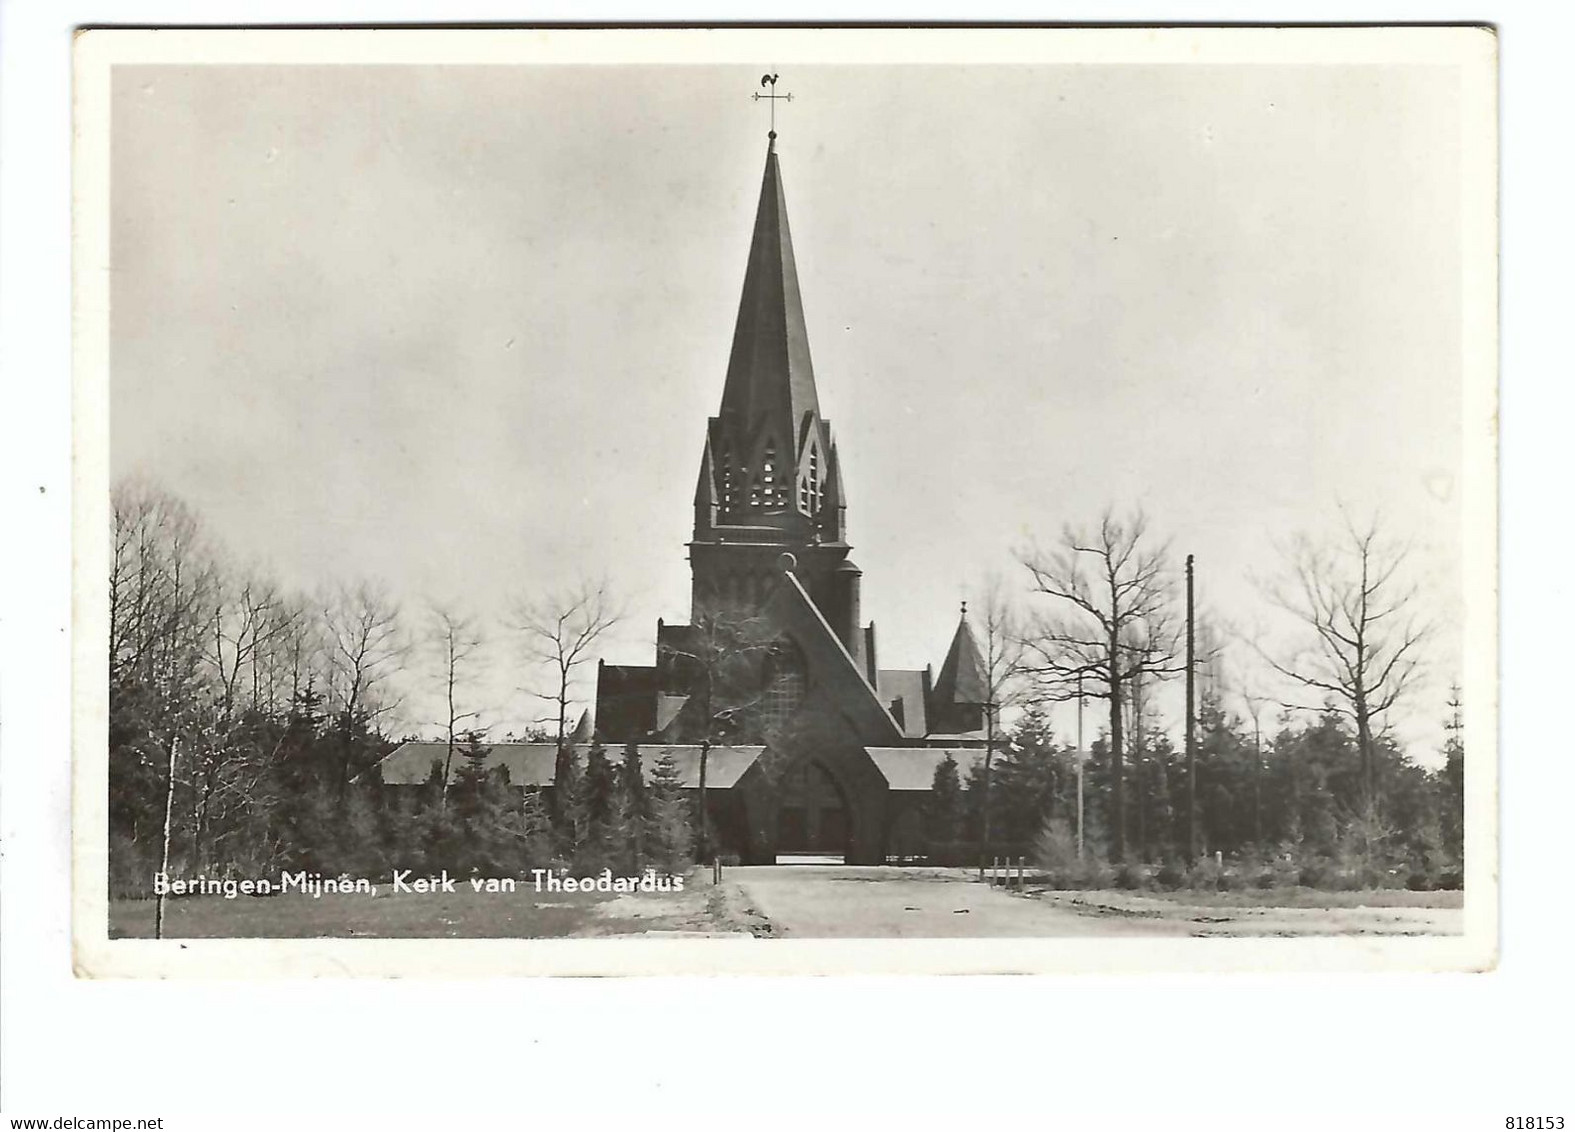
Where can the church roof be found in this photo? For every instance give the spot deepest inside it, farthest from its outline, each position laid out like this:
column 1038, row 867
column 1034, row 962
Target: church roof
column 962, row 679
column 410, row 764
column 904, row 688
column 724, row 766
column 830, row 663
column 625, row 699
column 913, row 768
column 531, row 764
column 769, row 376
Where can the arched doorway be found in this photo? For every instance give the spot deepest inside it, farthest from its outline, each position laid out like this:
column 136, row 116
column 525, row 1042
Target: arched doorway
column 812, row 813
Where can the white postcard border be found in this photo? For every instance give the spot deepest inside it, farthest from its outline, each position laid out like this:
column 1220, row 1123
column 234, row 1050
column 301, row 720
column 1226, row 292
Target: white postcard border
column 1471, row 50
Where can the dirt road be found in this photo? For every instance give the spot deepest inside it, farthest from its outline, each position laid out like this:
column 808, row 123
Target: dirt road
column 868, row 902
column 875, row 902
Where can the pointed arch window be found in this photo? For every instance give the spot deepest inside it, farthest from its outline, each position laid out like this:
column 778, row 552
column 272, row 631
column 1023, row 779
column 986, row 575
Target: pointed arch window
column 786, row 684
column 770, row 487
column 729, row 480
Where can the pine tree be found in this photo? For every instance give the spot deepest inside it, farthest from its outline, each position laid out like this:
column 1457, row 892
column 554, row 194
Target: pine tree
column 1163, row 762
column 943, row 810
column 600, row 804
column 1225, row 790
column 468, row 833
column 976, row 786
column 417, row 825
column 535, row 830
column 1029, row 780
column 566, row 804
column 668, row 836
column 634, row 809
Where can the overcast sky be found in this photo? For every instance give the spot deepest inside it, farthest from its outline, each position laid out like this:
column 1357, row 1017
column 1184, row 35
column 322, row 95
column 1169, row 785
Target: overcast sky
column 460, row 328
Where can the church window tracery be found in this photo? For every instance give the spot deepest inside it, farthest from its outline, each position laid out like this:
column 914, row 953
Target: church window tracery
column 786, row 684
column 769, row 489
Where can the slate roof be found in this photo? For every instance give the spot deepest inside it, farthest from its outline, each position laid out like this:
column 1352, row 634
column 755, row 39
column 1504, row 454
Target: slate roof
column 962, row 678
column 913, row 768
column 769, row 376
column 723, row 766
column 531, row 764
column 410, row 764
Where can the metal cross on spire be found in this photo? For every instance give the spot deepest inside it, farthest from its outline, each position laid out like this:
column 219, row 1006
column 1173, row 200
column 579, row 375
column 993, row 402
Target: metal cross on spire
column 773, row 97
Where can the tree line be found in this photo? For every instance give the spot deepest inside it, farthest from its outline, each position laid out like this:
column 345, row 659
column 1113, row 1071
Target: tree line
column 1279, row 807
column 1325, row 797
column 247, row 722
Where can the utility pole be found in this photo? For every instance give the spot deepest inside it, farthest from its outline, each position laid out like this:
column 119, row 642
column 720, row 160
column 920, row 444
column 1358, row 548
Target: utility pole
column 1192, row 747
column 1080, row 766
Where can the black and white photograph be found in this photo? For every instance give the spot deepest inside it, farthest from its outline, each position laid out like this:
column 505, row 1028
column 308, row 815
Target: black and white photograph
column 604, row 501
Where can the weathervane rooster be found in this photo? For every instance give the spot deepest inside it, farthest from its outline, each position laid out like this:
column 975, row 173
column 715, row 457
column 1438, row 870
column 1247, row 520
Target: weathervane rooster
column 770, row 80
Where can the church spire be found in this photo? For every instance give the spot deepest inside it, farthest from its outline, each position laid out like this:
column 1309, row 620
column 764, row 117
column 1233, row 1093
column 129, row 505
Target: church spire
column 770, row 380
column 770, row 479
column 962, row 680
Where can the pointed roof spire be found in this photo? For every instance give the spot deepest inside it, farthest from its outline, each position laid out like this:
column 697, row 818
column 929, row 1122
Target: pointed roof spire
column 963, row 679
column 769, row 375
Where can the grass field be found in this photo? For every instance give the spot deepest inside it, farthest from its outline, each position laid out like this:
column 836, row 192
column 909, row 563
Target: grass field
column 524, row 914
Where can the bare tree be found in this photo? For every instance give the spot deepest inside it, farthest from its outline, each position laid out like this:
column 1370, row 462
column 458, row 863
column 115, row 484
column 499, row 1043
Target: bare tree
column 559, row 632
column 183, row 638
column 721, row 660
column 365, row 645
column 288, row 648
column 301, row 647
column 140, row 515
column 161, row 584
column 1140, row 710
column 1363, row 649
column 456, row 640
column 231, row 776
column 242, row 627
column 160, row 588
column 1113, row 623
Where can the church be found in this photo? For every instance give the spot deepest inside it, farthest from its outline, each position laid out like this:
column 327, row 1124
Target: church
column 775, row 684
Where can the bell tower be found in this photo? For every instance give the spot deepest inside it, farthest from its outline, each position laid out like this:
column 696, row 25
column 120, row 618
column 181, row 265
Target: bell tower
column 770, row 480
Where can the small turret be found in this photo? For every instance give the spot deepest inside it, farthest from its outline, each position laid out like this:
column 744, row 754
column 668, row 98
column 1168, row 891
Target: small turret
column 962, row 690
